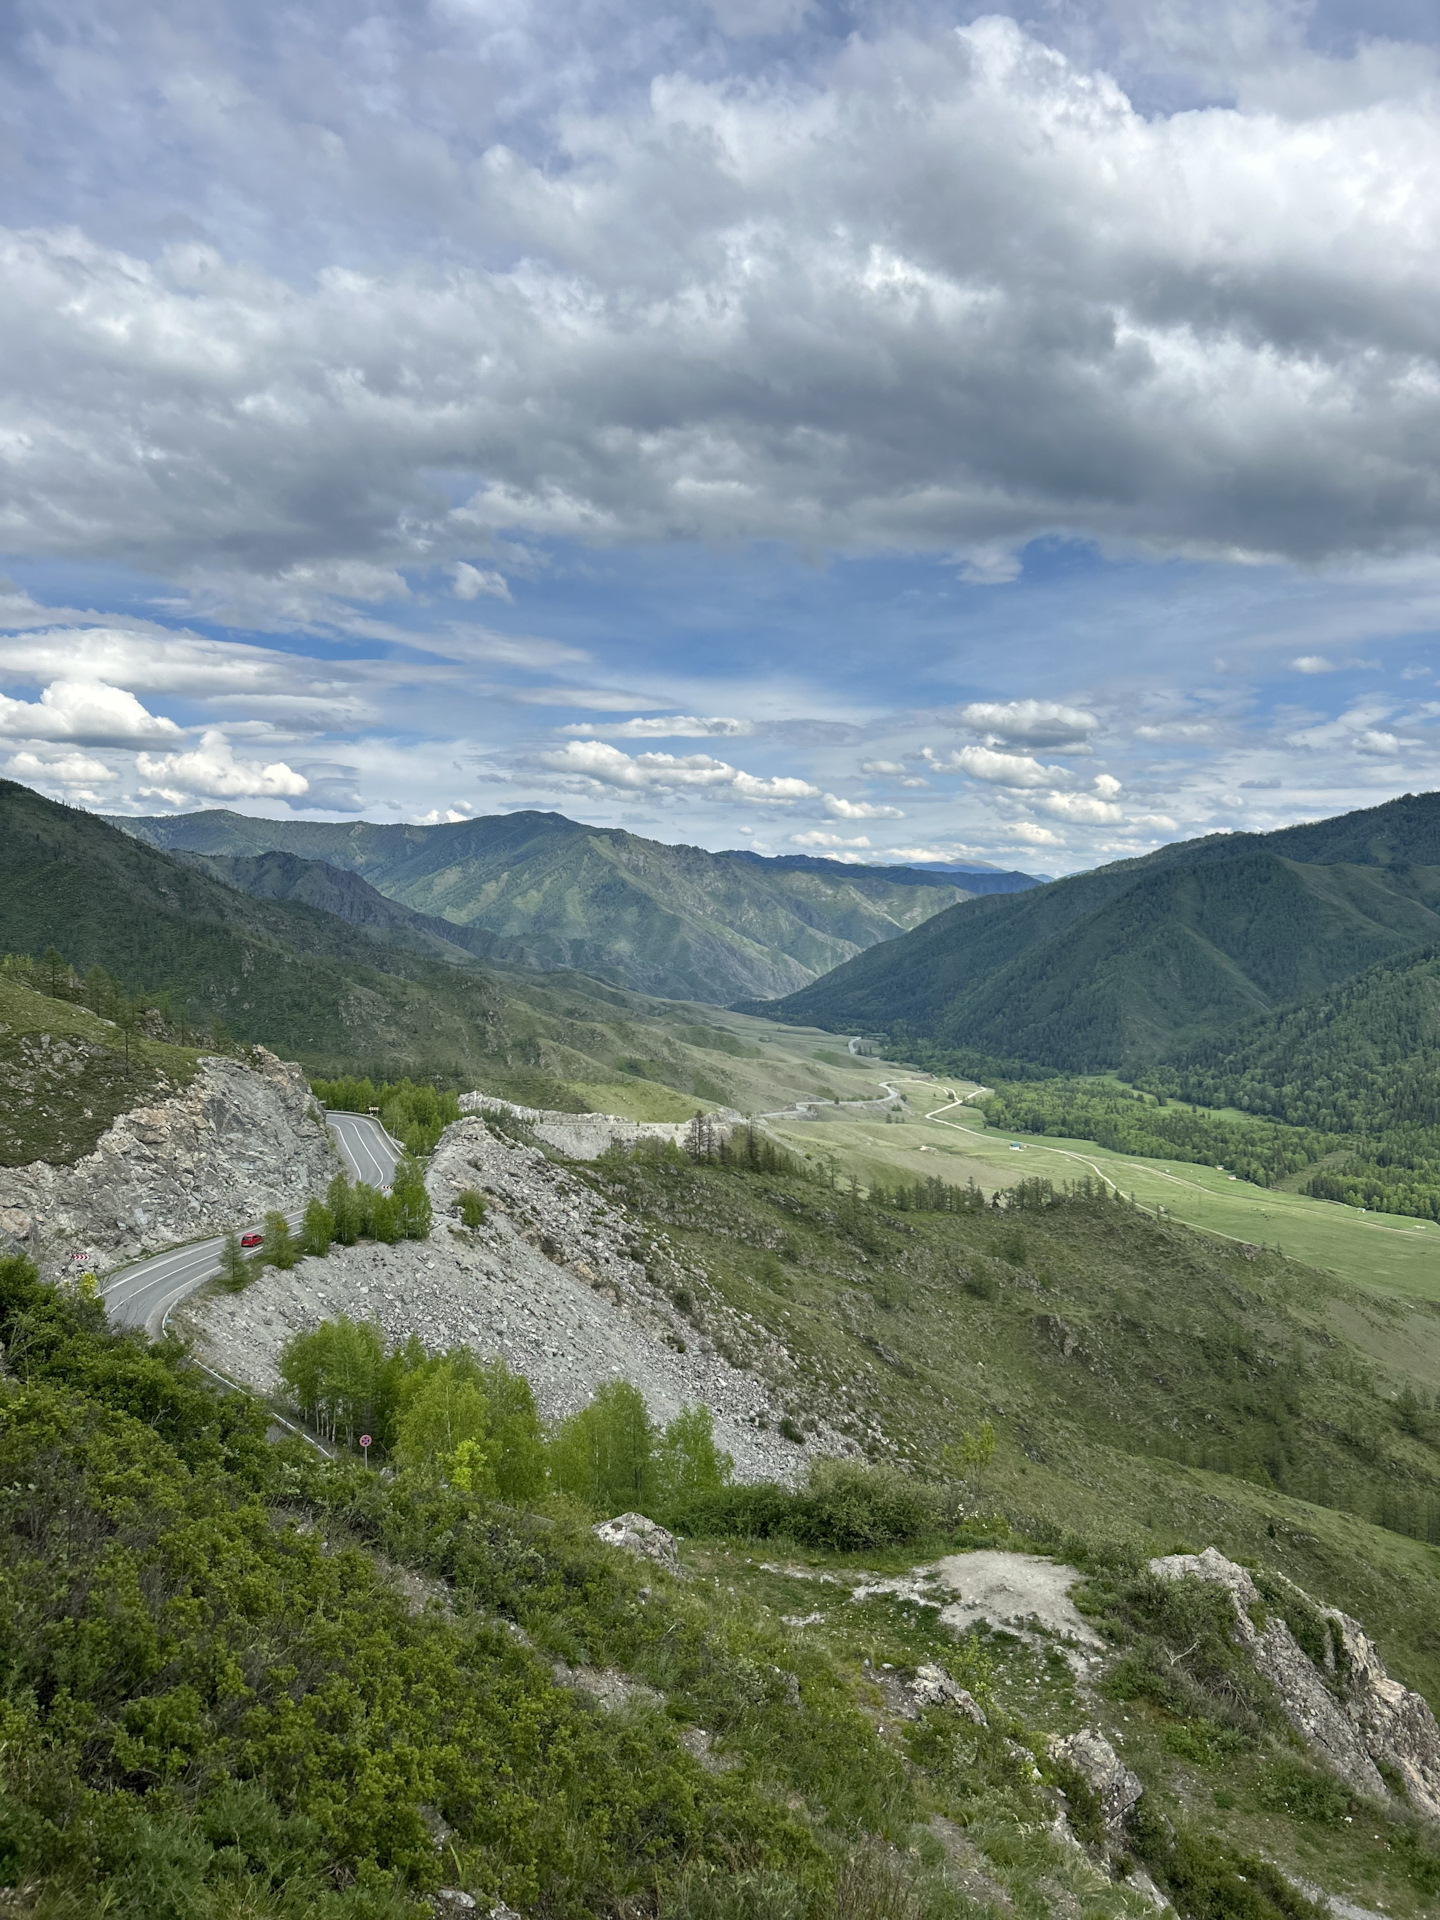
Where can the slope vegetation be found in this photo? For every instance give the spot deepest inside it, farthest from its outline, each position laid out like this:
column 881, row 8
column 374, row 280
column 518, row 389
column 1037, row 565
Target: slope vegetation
column 1123, row 966
column 669, row 920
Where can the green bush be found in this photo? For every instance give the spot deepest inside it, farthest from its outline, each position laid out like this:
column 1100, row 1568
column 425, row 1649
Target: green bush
column 473, row 1207
column 844, row 1507
column 1288, row 1785
column 318, row 1231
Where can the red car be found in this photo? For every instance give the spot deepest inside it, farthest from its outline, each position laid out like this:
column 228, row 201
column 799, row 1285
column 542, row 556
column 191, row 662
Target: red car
column 251, row 1239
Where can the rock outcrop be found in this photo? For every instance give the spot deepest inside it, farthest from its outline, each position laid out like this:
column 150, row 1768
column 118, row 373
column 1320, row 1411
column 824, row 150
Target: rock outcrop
column 1350, row 1712
column 1104, row 1772
column 585, row 1136
column 244, row 1136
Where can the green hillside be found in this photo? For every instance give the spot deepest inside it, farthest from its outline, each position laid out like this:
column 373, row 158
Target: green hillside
column 67, row 1072
column 669, row 920
column 1123, row 966
column 344, row 998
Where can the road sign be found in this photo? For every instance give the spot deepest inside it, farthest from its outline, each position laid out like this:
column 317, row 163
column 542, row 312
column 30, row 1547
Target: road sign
column 365, row 1443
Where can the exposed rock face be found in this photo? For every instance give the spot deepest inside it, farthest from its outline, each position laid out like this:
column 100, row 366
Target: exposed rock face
column 1360, row 1717
column 241, row 1138
column 633, row 1533
column 1104, row 1772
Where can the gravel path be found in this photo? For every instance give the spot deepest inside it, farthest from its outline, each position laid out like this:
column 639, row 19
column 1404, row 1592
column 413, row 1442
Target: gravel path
column 551, row 1281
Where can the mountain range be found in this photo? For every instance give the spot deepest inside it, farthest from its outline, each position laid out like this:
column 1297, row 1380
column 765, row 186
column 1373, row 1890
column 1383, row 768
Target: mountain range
column 1152, row 958
column 545, row 892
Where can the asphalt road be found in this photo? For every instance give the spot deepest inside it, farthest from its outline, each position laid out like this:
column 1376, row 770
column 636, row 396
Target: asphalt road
column 142, row 1295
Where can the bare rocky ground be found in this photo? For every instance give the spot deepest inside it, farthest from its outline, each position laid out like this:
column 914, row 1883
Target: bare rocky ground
column 242, row 1137
column 568, row 1288
column 585, row 1136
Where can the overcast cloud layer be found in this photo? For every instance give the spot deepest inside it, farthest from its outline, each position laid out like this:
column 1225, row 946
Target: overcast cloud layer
column 884, row 431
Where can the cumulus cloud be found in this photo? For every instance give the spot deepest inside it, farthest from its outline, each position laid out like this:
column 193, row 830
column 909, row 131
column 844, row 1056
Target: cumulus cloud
column 819, row 839
column 1030, row 723
column 669, row 726
column 944, row 289
column 468, row 583
column 1017, row 770
column 843, row 809
column 212, row 771
column 596, row 760
column 1034, row 835
column 1085, row 807
column 88, row 712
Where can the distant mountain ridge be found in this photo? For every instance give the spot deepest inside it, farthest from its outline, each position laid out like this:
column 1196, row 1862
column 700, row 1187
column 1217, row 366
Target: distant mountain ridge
column 548, row 893
column 1133, row 962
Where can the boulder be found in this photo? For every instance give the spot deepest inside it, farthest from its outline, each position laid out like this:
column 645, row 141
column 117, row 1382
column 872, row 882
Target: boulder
column 633, row 1533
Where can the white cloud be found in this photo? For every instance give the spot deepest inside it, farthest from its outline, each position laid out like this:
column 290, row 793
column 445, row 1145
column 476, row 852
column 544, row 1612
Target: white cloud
column 1312, row 663
column 842, row 809
column 1018, row 770
column 877, row 767
column 1030, row 723
column 468, row 583
column 67, row 770
column 1034, row 835
column 818, row 839
column 595, row 760
column 211, row 770
column 1078, row 806
column 86, row 711
column 672, row 726
column 1106, row 785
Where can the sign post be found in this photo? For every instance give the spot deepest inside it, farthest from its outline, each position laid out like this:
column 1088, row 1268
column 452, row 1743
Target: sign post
column 365, row 1447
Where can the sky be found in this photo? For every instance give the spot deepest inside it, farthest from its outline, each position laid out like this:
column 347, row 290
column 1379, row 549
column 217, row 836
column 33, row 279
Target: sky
column 889, row 431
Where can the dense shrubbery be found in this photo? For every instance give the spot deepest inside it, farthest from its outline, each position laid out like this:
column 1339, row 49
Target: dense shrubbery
column 415, row 1116
column 208, row 1712
column 844, row 1507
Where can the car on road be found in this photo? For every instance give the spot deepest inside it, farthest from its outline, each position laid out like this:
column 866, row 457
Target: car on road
column 251, row 1239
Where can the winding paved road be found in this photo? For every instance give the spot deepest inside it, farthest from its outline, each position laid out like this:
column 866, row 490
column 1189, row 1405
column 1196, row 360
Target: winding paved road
column 142, row 1295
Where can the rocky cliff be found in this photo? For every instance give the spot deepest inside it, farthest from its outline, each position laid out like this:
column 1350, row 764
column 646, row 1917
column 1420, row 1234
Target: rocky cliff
column 243, row 1136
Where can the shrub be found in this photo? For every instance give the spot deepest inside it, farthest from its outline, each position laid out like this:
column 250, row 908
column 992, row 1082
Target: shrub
column 844, row 1507
column 473, row 1207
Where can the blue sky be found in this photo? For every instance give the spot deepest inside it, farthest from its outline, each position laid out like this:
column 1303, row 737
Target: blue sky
column 888, row 431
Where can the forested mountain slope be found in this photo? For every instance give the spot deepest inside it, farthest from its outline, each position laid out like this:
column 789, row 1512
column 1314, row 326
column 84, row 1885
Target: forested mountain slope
column 1363, row 1056
column 1122, row 966
column 670, row 920
column 286, row 876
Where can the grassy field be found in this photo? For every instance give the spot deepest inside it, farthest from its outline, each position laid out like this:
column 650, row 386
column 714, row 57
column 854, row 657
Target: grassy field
column 1388, row 1253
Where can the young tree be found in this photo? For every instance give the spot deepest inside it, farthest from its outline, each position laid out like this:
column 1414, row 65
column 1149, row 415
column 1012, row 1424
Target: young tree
column 603, row 1455
column 413, row 1211
column 278, row 1248
column 688, row 1460
column 235, row 1270
column 318, row 1230
column 344, row 1210
column 446, row 1409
